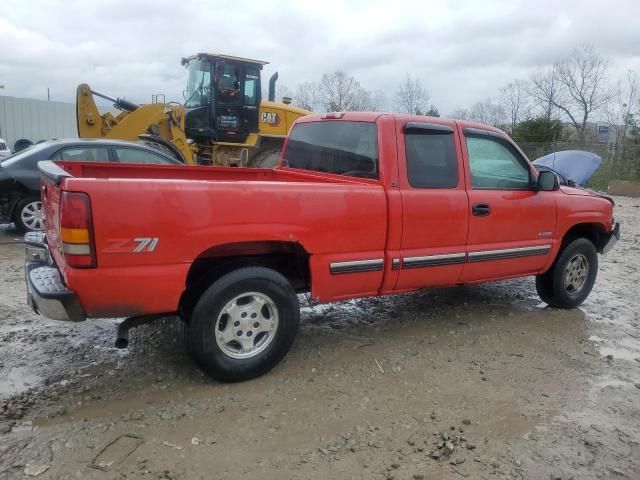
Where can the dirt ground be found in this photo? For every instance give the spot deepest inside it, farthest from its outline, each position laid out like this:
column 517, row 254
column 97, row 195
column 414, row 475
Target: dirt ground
column 471, row 382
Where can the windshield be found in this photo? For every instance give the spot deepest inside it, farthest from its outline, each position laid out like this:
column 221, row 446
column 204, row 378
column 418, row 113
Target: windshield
column 198, row 84
column 27, row 152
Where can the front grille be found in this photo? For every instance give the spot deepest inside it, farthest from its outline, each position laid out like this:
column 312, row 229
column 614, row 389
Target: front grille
column 3, row 146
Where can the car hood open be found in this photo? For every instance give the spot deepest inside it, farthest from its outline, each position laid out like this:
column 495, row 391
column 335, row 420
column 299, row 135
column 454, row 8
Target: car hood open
column 576, row 165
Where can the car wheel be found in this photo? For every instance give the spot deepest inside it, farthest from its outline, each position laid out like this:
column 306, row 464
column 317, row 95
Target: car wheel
column 572, row 277
column 243, row 324
column 29, row 214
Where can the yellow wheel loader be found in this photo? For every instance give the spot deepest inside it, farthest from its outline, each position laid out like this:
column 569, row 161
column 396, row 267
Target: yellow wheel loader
column 223, row 120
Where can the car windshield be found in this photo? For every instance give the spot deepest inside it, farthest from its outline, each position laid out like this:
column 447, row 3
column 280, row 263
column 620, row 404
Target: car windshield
column 16, row 157
column 198, row 85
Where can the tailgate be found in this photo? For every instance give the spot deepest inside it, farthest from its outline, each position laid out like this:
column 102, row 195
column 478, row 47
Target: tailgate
column 51, row 190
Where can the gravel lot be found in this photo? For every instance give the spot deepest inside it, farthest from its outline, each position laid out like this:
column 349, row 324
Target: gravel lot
column 470, row 382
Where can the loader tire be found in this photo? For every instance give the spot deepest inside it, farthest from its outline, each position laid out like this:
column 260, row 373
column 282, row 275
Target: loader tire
column 266, row 159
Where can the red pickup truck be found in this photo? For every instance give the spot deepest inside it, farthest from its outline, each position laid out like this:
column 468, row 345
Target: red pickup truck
column 362, row 204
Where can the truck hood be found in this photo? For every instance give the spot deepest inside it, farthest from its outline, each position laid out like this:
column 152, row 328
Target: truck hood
column 575, row 190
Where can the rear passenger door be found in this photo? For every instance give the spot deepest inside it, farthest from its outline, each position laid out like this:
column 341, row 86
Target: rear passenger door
column 435, row 209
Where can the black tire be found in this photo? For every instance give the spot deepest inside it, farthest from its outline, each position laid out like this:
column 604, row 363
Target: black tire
column 21, row 222
column 544, row 286
column 21, row 144
column 552, row 287
column 266, row 159
column 203, row 327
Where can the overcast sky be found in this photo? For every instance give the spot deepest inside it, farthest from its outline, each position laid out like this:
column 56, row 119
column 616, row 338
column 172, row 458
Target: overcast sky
column 462, row 51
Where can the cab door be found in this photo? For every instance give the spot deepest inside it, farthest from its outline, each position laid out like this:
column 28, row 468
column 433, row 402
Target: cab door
column 511, row 224
column 251, row 99
column 229, row 114
column 435, row 208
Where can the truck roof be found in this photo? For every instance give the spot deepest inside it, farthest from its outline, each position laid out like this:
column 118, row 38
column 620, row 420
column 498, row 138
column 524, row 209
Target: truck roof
column 374, row 116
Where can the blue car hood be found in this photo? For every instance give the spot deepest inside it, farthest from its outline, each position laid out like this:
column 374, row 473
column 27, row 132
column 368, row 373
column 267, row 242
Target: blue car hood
column 575, row 165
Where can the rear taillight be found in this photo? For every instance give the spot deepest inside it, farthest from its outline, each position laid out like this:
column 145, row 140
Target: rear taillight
column 76, row 230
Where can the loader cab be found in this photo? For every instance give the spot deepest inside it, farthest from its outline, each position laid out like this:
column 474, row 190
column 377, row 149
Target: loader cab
column 222, row 98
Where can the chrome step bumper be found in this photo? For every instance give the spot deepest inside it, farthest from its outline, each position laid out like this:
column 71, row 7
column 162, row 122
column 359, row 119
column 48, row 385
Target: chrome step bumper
column 46, row 292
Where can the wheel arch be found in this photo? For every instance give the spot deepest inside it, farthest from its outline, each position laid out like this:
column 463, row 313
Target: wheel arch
column 288, row 258
column 593, row 231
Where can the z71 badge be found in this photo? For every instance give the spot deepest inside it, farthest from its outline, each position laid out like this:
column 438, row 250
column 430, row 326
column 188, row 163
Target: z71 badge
column 132, row 245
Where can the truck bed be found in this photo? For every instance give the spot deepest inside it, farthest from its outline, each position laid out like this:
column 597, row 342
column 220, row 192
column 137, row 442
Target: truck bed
column 180, row 172
column 192, row 213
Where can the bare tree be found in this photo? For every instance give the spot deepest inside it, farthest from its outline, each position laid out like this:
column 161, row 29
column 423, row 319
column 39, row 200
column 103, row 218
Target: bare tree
column 432, row 111
column 488, row 112
column 460, row 113
column 623, row 107
column 412, row 97
column 282, row 91
column 545, row 88
column 580, row 79
column 306, row 95
column 514, row 100
column 339, row 92
column 378, row 100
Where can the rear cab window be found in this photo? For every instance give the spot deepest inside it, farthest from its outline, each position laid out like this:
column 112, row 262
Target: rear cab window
column 334, row 146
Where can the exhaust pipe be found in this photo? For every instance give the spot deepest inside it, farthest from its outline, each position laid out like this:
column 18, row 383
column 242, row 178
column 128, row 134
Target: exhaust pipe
column 272, row 87
column 122, row 335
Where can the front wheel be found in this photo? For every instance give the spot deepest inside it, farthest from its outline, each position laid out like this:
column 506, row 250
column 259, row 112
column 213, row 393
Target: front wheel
column 571, row 278
column 243, row 324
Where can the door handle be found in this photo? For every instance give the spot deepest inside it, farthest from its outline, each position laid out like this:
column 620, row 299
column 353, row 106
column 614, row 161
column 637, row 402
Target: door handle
column 481, row 209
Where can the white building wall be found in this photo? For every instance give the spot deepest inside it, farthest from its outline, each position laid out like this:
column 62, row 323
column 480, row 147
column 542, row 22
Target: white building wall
column 36, row 120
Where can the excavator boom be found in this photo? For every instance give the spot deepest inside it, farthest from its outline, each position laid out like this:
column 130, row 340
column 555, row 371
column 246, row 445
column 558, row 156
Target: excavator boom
column 159, row 122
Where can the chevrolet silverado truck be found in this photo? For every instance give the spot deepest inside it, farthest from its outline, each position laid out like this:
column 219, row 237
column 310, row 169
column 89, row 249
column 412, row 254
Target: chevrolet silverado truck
column 362, row 204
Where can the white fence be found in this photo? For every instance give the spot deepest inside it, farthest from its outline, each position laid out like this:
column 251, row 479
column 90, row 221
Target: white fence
column 36, row 120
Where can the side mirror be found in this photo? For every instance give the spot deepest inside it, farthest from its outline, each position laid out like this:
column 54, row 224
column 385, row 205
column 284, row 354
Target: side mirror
column 548, row 181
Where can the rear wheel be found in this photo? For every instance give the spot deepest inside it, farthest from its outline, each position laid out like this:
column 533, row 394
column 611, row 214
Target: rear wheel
column 29, row 215
column 243, row 324
column 266, row 158
column 571, row 278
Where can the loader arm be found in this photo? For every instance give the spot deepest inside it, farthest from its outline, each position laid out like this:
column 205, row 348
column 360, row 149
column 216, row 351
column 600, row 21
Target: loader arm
column 161, row 121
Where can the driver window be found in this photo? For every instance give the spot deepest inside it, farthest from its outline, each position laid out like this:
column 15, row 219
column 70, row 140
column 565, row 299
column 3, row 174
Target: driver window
column 495, row 166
